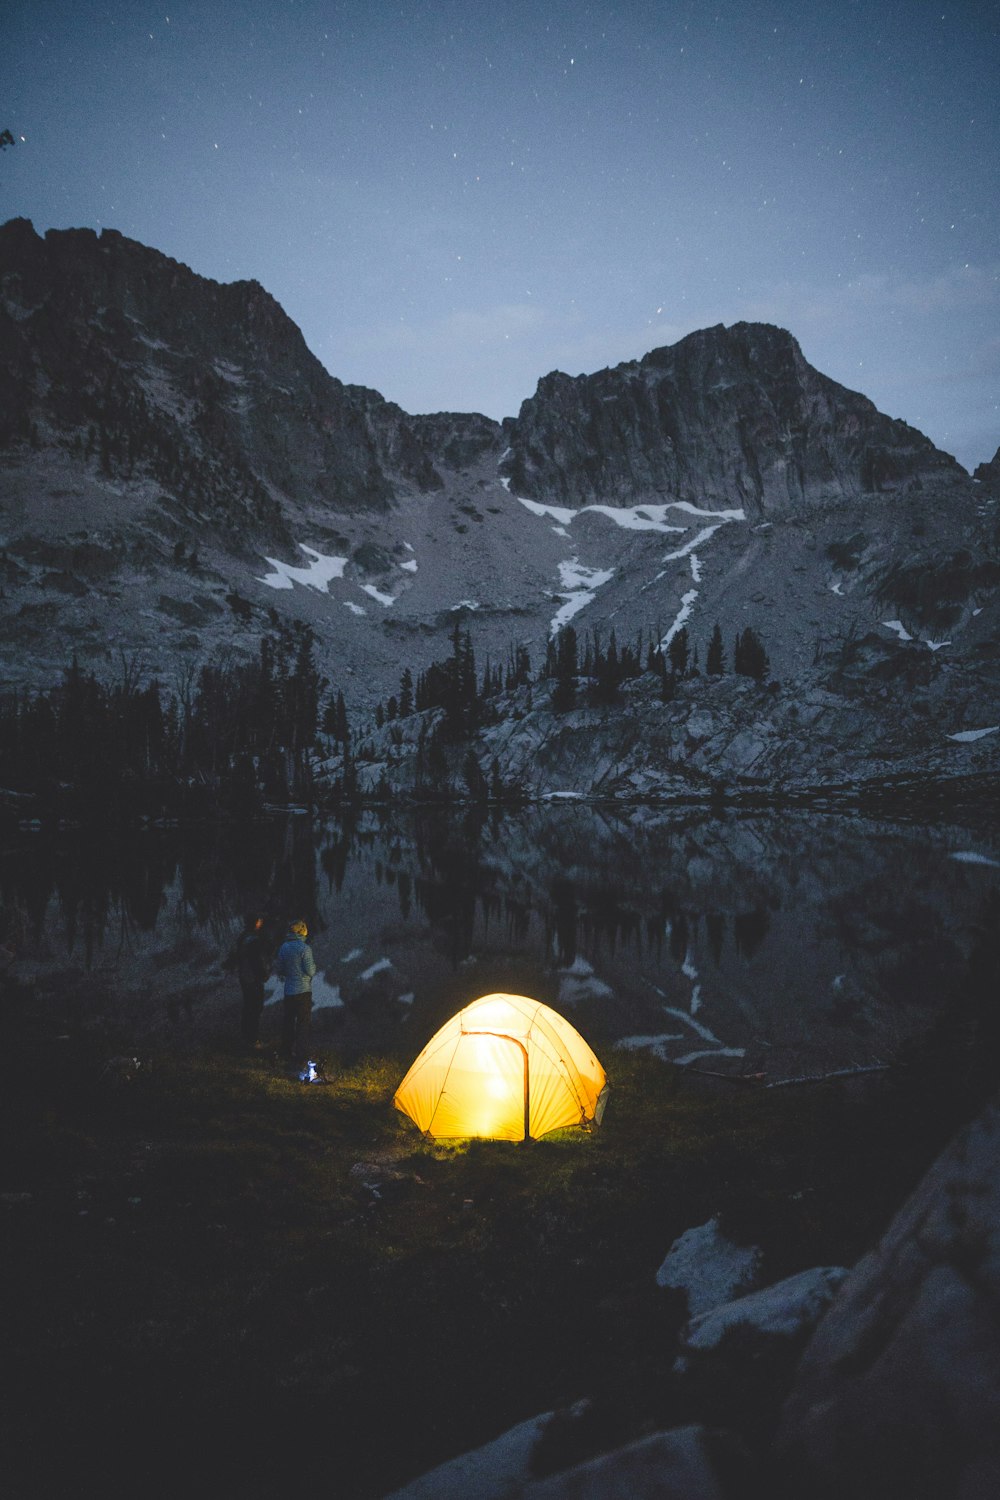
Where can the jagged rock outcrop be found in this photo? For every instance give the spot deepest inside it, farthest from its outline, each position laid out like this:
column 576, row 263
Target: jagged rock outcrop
column 166, row 366
column 898, row 1393
column 726, row 416
column 895, row 1397
column 459, row 439
column 988, row 474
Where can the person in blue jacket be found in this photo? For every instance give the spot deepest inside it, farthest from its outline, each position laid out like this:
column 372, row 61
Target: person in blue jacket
column 296, row 966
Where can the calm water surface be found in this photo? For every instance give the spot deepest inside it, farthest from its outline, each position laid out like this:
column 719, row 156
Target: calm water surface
column 775, row 943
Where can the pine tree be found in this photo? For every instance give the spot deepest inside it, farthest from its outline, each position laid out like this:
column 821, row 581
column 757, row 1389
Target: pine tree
column 549, row 669
column 608, row 670
column 749, row 656
column 459, row 697
column 334, row 720
column 678, row 652
column 406, row 694
column 564, row 692
column 715, row 662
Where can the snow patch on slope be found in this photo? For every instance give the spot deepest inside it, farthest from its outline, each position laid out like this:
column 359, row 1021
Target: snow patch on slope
column 967, row 736
column 580, row 584
column 899, row 628
column 373, row 593
column 629, row 517
column 687, row 604
column 316, row 576
column 688, row 547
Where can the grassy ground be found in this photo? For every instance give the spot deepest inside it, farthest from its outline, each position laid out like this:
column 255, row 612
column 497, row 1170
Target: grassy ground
column 219, row 1278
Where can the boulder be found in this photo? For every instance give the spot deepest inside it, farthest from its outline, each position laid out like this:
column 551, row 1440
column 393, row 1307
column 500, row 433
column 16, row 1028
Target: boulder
column 686, row 1463
column 707, row 1266
column 676, row 1465
column 788, row 1310
column 499, row 1470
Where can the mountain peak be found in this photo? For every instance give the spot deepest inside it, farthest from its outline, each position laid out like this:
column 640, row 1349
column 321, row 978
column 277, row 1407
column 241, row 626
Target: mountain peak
column 733, row 416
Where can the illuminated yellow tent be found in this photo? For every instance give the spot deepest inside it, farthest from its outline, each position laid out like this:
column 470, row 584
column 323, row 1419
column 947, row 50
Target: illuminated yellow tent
column 506, row 1067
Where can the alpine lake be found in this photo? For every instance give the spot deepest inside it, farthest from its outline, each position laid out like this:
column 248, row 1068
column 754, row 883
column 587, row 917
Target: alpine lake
column 229, row 1277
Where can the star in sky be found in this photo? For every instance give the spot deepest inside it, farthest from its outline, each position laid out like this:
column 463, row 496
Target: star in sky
column 831, row 169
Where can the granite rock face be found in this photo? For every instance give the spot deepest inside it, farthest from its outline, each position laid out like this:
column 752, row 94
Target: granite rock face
column 186, row 375
column 898, row 1392
column 898, row 715
column 725, row 416
column 988, row 474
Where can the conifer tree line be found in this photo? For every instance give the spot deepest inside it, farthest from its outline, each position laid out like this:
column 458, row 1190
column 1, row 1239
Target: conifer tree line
column 245, row 726
column 591, row 675
column 455, row 686
column 596, row 675
column 250, row 728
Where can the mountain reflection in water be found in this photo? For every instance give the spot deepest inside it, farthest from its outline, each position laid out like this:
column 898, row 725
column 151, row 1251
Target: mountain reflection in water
column 780, row 943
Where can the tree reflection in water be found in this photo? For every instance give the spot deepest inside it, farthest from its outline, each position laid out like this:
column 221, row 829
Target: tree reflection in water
column 762, row 934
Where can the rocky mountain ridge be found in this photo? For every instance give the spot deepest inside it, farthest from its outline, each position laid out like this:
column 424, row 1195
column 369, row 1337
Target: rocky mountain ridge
column 179, row 472
column 724, row 416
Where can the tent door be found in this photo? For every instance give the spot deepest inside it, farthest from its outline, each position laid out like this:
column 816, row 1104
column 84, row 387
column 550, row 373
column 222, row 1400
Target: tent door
column 503, row 1037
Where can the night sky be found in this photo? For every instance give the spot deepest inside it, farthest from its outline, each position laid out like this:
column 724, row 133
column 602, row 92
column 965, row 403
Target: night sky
column 452, row 198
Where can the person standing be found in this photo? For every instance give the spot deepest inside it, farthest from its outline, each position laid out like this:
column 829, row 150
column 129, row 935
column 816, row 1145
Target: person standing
column 253, row 968
column 296, row 966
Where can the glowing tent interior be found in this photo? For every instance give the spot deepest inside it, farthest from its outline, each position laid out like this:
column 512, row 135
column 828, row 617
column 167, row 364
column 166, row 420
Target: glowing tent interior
column 505, row 1067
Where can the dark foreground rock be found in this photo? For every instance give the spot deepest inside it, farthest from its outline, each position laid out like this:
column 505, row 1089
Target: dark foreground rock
column 688, row 1463
column 899, row 1391
column 895, row 1398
